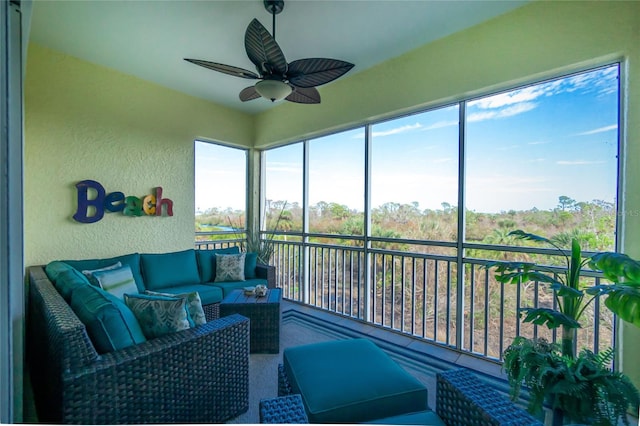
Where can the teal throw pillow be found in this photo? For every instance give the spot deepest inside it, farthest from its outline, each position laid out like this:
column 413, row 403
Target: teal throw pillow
column 133, row 260
column 229, row 267
column 207, row 262
column 158, row 315
column 193, row 304
column 250, row 263
column 89, row 272
column 117, row 281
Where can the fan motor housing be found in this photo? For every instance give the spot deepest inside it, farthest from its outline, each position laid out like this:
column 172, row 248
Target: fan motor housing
column 274, row 6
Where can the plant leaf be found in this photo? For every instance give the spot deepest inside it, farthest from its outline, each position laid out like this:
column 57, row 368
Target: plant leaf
column 624, row 301
column 549, row 317
column 531, row 237
column 566, row 291
column 574, row 264
column 616, row 267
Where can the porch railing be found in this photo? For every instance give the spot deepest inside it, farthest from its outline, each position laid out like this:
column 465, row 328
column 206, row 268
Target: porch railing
column 418, row 294
column 413, row 288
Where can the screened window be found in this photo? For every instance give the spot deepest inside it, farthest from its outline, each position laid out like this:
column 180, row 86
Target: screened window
column 414, row 179
column 543, row 158
column 336, row 183
column 220, row 187
column 283, row 188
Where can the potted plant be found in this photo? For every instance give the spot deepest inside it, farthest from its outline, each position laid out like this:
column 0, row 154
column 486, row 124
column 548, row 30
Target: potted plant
column 263, row 245
column 579, row 387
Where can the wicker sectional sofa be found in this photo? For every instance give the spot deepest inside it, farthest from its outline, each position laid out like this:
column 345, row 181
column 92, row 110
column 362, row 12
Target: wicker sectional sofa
column 197, row 375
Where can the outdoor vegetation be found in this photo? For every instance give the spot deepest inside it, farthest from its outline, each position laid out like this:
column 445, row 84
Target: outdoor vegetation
column 591, row 222
column 416, row 277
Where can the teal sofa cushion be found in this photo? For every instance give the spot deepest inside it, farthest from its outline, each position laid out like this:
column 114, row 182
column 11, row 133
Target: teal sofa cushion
column 170, row 269
column 55, row 268
column 351, row 381
column 133, row 260
column 208, row 293
column 250, row 262
column 110, row 324
column 207, row 262
column 228, row 287
column 65, row 278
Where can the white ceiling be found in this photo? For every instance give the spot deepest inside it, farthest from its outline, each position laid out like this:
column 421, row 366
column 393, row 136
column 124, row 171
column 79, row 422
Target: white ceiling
column 150, row 38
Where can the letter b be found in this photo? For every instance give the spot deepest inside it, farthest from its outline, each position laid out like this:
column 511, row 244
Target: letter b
column 84, row 203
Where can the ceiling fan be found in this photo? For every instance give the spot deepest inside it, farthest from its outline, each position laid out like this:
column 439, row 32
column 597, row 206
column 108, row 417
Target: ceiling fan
column 294, row 82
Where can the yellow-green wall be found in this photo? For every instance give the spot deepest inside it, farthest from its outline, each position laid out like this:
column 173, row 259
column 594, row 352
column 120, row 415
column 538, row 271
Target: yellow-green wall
column 84, row 121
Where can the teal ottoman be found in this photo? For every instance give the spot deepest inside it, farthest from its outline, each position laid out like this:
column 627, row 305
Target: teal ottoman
column 351, row 381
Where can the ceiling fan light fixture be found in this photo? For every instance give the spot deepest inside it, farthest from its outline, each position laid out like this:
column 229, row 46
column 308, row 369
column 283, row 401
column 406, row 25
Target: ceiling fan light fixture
column 275, row 90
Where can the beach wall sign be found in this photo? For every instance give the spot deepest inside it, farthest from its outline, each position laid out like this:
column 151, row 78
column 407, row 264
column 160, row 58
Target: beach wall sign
column 94, row 202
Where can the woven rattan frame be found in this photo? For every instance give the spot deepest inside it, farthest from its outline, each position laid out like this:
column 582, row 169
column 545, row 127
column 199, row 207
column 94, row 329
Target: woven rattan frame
column 285, row 409
column 200, row 375
column 463, row 400
column 211, row 311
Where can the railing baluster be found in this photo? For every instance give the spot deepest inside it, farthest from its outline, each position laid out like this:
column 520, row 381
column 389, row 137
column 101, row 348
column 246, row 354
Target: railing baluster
column 436, row 308
column 472, row 306
column 486, row 312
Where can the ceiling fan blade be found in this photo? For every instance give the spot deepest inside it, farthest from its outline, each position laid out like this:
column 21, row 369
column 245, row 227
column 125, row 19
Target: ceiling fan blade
column 227, row 69
column 314, row 72
column 304, row 95
column 249, row 94
column 263, row 50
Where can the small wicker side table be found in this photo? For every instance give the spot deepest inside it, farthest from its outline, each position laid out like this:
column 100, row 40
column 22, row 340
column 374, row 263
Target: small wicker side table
column 264, row 315
column 285, row 409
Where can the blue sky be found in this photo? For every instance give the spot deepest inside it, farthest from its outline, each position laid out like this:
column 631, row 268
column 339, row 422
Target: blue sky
column 525, row 148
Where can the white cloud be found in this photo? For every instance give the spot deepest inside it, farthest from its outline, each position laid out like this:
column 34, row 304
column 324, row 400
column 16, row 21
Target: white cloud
column 599, row 130
column 501, row 113
column 578, row 162
column 441, row 124
column 397, row 130
column 522, row 100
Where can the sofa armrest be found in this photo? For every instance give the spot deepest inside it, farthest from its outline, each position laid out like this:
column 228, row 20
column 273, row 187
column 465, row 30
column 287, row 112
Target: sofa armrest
column 268, row 273
column 463, row 399
column 200, row 375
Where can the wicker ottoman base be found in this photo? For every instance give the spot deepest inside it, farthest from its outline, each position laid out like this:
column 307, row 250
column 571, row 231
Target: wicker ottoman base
column 285, row 409
column 264, row 313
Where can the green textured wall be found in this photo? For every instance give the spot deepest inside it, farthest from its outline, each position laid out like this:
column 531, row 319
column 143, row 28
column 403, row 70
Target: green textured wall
column 539, row 40
column 84, row 121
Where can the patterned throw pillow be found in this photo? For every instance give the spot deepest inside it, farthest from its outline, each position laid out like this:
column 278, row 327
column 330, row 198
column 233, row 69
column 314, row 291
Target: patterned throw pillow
column 158, row 315
column 117, row 281
column 92, row 279
column 193, row 304
column 229, row 267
